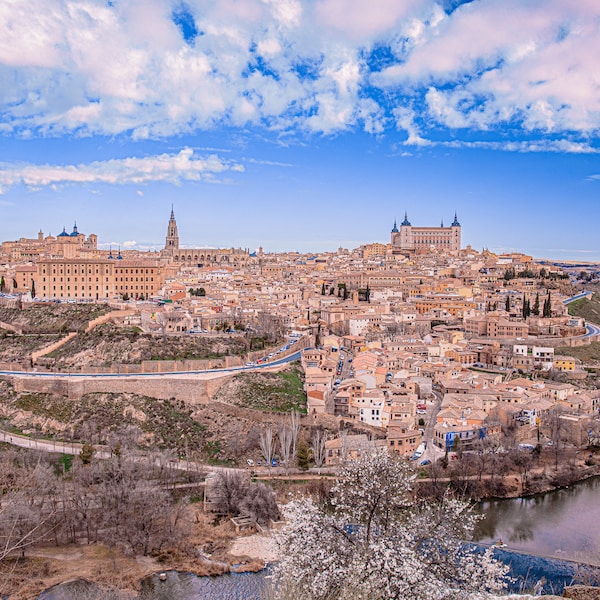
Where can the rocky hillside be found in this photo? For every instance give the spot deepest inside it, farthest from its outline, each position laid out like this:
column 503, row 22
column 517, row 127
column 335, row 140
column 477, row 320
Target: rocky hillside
column 272, row 392
column 18, row 348
column 109, row 343
column 52, row 318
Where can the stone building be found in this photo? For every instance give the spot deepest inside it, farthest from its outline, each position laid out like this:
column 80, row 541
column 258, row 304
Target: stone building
column 423, row 239
column 200, row 257
column 67, row 245
column 95, row 278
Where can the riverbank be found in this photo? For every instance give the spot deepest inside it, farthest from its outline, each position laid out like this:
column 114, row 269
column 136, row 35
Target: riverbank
column 212, row 551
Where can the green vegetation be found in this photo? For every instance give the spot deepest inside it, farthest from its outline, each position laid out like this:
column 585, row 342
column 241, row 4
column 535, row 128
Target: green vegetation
column 583, row 353
column 271, row 392
column 46, row 405
column 65, row 461
column 589, row 309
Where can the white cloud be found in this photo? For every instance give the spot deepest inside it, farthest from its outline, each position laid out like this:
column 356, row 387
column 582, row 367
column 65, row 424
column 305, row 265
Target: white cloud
column 171, row 168
column 88, row 67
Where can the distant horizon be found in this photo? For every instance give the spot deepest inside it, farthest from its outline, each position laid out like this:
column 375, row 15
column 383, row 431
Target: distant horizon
column 158, row 246
column 303, row 125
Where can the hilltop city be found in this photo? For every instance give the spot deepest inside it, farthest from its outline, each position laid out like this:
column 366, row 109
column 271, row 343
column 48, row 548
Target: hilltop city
column 383, row 326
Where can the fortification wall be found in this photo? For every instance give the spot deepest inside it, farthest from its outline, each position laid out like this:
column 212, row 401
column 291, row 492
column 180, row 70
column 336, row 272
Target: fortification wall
column 191, row 391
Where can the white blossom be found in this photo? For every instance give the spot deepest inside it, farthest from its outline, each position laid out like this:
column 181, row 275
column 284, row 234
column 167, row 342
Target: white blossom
column 377, row 540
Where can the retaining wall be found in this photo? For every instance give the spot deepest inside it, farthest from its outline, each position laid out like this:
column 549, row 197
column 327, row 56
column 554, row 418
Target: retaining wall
column 191, row 391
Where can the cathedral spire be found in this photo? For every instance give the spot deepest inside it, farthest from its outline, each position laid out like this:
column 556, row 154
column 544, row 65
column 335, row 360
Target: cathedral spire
column 172, row 239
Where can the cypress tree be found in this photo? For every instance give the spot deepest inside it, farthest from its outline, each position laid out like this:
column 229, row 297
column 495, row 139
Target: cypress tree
column 536, row 305
column 302, row 455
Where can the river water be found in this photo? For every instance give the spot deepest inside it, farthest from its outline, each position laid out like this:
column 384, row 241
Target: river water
column 560, row 524
column 541, row 535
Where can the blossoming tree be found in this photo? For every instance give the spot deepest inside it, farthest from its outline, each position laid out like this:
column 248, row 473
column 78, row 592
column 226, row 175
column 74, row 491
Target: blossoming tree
column 377, row 540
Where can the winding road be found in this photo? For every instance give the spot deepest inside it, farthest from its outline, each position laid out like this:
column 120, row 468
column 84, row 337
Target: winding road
column 223, row 371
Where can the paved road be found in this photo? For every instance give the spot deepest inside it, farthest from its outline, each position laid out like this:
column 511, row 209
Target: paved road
column 591, row 330
column 579, row 296
column 223, row 371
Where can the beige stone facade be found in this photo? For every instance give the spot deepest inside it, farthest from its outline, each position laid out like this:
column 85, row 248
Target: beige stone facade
column 200, row 257
column 422, row 239
column 68, row 245
column 96, row 279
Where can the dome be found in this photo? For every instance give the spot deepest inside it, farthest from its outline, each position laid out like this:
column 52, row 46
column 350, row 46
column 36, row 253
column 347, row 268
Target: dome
column 406, row 222
column 64, row 233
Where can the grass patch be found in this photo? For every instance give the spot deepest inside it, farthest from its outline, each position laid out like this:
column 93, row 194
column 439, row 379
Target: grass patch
column 583, row 353
column 271, row 392
column 46, row 405
column 588, row 308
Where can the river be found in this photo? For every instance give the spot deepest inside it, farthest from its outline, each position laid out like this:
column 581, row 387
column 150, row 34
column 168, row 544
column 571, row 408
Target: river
column 560, row 524
column 542, row 534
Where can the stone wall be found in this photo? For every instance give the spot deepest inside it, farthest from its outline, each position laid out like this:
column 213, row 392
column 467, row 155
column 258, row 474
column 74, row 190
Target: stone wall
column 10, row 327
column 51, row 347
column 190, row 390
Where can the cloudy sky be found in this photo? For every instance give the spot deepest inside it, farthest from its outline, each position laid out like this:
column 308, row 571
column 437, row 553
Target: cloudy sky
column 302, row 124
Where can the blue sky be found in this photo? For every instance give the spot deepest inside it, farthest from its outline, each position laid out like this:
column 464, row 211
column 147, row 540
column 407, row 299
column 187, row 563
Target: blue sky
column 302, row 125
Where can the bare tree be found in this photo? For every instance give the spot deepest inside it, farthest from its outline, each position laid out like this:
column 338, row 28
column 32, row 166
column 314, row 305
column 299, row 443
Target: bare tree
column 267, row 446
column 227, row 491
column 554, row 426
column 260, row 504
column 317, row 445
column 295, row 429
column 286, row 455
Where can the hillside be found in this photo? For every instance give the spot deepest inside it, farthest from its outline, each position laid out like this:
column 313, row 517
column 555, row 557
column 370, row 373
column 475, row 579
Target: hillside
column 109, row 343
column 52, row 318
column 17, row 348
column 589, row 309
column 583, row 353
column 271, row 392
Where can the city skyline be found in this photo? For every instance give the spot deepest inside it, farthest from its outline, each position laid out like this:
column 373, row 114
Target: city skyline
column 302, row 126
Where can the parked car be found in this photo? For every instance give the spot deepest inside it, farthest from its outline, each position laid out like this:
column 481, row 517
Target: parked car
column 250, row 462
column 425, row 462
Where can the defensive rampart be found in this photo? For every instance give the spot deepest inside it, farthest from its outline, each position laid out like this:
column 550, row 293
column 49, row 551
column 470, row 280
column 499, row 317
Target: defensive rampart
column 192, row 390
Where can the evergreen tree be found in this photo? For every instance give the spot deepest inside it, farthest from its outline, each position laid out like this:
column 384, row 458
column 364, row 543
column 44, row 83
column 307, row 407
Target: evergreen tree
column 323, row 289
column 32, row 288
column 507, row 306
column 302, row 455
column 368, row 293
column 2, row 283
column 547, row 310
column 536, row 305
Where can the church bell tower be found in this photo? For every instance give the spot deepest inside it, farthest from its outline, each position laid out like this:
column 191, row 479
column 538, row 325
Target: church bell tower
column 172, row 240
